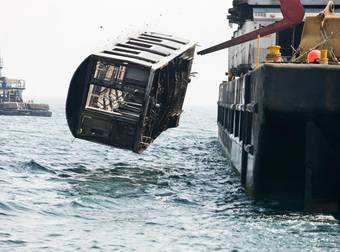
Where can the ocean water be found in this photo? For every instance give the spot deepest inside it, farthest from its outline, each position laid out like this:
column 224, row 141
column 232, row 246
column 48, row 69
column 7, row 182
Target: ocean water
column 61, row 194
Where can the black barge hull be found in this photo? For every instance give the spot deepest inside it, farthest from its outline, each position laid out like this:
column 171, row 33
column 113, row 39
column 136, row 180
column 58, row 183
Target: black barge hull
column 26, row 113
column 280, row 126
column 24, row 109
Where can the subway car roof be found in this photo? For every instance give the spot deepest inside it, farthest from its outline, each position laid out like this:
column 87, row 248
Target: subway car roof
column 149, row 49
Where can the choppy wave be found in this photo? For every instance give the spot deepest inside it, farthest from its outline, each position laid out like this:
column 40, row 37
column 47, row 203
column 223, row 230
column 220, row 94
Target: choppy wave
column 180, row 195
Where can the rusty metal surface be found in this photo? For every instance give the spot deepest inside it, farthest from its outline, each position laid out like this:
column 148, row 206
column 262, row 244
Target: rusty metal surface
column 322, row 32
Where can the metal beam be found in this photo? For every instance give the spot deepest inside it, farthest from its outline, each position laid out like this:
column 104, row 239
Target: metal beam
column 293, row 14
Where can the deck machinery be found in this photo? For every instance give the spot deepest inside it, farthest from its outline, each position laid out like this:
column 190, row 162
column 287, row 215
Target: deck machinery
column 279, row 120
column 127, row 95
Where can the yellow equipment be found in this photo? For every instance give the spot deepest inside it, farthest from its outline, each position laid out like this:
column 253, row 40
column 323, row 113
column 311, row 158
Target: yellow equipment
column 274, row 54
column 322, row 32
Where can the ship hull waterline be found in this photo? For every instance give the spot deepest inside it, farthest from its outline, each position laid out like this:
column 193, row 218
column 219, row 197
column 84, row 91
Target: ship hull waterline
column 279, row 126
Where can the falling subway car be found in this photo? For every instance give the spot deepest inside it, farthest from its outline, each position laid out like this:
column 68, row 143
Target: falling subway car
column 125, row 97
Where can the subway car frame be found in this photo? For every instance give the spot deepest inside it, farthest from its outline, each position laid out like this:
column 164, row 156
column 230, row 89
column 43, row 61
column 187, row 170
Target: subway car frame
column 125, row 97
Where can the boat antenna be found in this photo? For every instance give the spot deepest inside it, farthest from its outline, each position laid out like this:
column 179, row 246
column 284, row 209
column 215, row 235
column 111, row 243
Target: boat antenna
column 293, row 14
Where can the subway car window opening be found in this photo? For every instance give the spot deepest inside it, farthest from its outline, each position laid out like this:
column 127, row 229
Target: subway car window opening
column 109, row 72
column 105, row 99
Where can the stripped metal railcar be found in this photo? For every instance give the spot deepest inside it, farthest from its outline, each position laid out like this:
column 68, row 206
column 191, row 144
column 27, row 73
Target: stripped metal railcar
column 125, row 97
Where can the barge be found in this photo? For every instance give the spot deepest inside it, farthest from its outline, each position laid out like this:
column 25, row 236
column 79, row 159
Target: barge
column 279, row 117
column 11, row 99
column 128, row 95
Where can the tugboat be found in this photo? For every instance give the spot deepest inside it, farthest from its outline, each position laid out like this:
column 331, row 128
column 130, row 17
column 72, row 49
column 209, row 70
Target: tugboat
column 11, row 101
column 279, row 111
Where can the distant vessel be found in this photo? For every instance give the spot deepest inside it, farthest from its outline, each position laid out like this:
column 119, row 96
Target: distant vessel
column 11, row 101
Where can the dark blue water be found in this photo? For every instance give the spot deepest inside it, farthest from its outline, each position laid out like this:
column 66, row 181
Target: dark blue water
column 57, row 194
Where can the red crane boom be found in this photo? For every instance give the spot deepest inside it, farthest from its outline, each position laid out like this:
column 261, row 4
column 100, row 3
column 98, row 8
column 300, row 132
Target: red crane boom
column 293, row 14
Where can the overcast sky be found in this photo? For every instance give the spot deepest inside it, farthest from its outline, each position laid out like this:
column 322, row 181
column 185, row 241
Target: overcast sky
column 44, row 41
